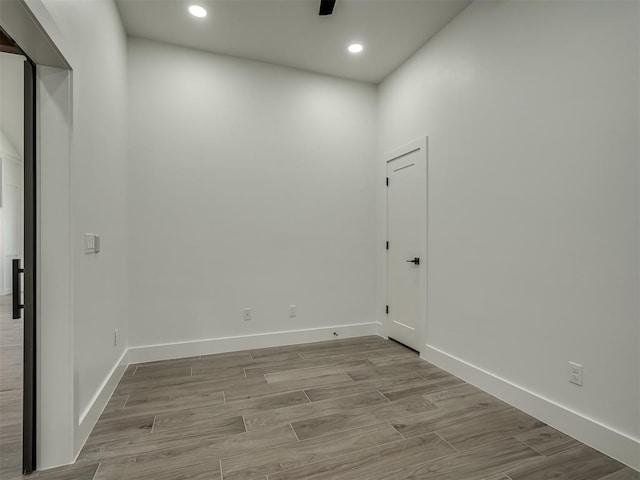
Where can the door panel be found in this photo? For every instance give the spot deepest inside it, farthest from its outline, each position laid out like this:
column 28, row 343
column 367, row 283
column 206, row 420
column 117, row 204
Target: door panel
column 403, row 210
column 29, row 282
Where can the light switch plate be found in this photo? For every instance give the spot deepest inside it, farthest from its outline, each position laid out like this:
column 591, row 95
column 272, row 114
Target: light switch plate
column 89, row 243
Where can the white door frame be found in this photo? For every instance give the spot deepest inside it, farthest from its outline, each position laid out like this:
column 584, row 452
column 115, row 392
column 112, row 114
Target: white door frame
column 422, row 221
column 31, row 25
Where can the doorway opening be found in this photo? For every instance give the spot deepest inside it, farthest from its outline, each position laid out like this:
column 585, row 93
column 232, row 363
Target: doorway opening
column 17, row 260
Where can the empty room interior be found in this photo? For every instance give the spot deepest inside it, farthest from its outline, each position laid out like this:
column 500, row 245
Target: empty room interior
column 320, row 239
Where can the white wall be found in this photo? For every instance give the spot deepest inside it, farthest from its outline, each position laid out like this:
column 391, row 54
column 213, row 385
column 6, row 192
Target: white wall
column 56, row 402
column 251, row 185
column 531, row 109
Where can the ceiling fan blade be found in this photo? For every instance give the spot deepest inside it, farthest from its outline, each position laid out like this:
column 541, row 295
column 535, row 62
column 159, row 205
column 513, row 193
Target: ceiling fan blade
column 326, row 7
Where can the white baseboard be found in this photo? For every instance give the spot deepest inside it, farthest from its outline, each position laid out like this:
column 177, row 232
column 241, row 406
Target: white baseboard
column 152, row 353
column 618, row 445
column 90, row 415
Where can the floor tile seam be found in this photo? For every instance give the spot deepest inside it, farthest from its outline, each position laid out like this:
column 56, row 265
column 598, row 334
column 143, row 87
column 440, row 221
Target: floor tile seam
column 275, row 363
column 303, row 369
column 320, row 461
column 320, row 403
column 137, row 411
column 314, row 415
column 143, row 381
column 501, row 438
column 340, row 455
column 107, row 457
column 305, row 394
column 386, row 444
column 385, row 397
column 515, row 437
column 278, row 445
column 294, row 432
column 451, row 423
column 435, row 459
column 349, row 377
column 445, row 441
column 95, row 474
column 322, row 436
column 431, row 392
column 396, row 430
column 447, row 425
column 564, row 449
column 369, row 387
column 438, row 370
column 374, row 353
column 114, row 459
column 285, row 369
column 233, row 403
column 291, row 390
column 457, row 452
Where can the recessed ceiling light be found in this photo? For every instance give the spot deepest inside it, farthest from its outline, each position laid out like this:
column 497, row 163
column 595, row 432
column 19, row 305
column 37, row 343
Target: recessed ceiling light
column 197, row 11
column 355, row 48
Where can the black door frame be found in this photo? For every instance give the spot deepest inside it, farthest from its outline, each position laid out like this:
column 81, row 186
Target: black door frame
column 29, row 316
column 29, row 388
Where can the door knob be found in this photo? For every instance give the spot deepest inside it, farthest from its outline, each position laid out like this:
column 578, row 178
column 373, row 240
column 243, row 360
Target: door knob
column 415, row 261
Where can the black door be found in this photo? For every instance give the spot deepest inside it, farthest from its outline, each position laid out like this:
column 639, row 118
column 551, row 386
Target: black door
column 25, row 305
column 29, row 287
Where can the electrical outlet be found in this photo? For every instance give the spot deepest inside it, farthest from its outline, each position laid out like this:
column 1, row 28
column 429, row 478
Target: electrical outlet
column 575, row 373
column 91, row 243
column 246, row 314
column 292, row 311
column 115, row 337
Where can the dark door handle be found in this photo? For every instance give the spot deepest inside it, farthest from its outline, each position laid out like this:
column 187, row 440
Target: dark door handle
column 15, row 287
column 415, row 261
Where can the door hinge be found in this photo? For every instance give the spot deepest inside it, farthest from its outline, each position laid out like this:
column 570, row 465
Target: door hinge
column 387, row 181
column 387, row 245
column 387, row 310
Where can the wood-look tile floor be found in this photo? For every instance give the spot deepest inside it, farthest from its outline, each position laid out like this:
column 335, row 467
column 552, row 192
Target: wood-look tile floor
column 10, row 391
column 354, row 409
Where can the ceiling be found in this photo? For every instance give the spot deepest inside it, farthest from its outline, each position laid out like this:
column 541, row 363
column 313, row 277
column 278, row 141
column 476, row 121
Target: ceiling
column 291, row 33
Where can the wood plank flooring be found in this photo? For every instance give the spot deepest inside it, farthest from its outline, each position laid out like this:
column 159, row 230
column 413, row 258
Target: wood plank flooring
column 10, row 391
column 356, row 409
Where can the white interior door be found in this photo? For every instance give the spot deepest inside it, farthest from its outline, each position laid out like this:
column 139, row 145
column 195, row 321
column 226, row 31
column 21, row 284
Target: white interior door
column 406, row 217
